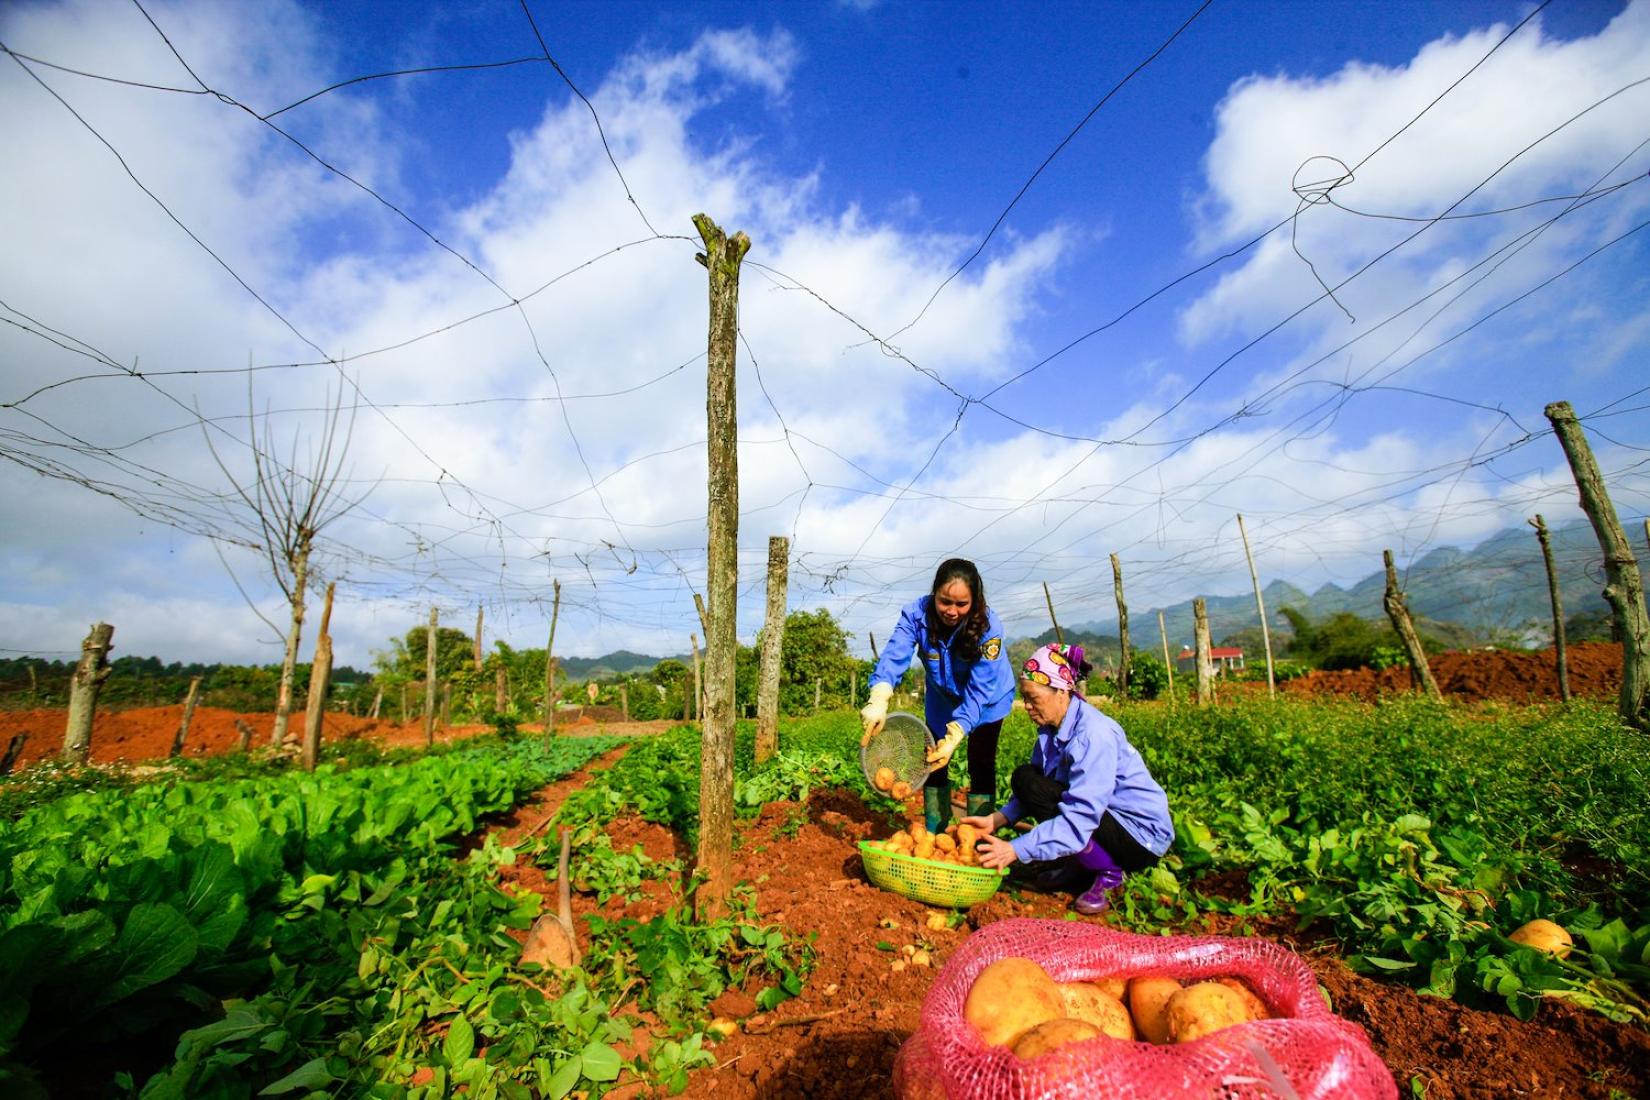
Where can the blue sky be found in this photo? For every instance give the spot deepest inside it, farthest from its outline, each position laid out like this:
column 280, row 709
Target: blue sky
column 867, row 149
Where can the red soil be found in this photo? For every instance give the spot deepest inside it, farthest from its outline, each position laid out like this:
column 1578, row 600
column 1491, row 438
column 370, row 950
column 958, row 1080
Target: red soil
column 1512, row 675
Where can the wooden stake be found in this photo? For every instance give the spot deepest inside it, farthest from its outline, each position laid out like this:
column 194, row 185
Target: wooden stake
column 1122, row 628
column 84, row 687
column 1260, row 606
column 320, row 679
column 550, row 666
column 624, row 700
column 698, row 705
column 429, row 678
column 377, row 701
column 34, row 683
column 501, row 690
column 1163, row 632
column 773, row 639
column 1623, row 588
column 14, row 749
column 188, row 715
column 289, row 660
column 246, row 734
column 1059, row 637
column 704, row 620
column 478, row 637
column 722, row 257
column 1205, row 663
column 1560, row 657
column 1420, row 673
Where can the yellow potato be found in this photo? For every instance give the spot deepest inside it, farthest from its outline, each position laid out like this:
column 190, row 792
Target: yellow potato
column 1203, row 1009
column 1052, row 1036
column 966, row 836
column 901, row 842
column 1253, row 1006
column 945, row 843
column 1094, row 1006
column 925, row 847
column 884, row 780
column 1117, row 987
column 901, row 790
column 918, row 830
column 1544, row 935
column 1009, row 998
column 1147, row 998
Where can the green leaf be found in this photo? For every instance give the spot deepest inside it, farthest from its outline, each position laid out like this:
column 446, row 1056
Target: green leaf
column 460, row 1042
column 566, row 1076
column 601, row 1062
column 312, row 1075
column 155, row 943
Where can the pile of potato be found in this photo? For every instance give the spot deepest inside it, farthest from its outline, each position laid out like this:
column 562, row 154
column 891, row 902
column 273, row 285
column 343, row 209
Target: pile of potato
column 954, row 846
column 886, row 782
column 1014, row 1003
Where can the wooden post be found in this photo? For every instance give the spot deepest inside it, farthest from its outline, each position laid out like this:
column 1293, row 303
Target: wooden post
column 501, row 691
column 478, row 657
column 550, row 666
column 698, row 706
column 84, row 687
column 1623, row 588
column 1420, row 673
column 1560, row 657
column 1059, row 637
column 1122, row 628
column 189, row 702
column 624, row 700
column 429, row 678
column 704, row 620
column 377, row 702
column 246, row 734
column 289, row 660
column 773, row 639
column 14, row 749
column 1205, row 665
column 446, row 703
column 1168, row 662
column 721, row 258
column 1260, row 607
column 320, row 679
column 34, row 684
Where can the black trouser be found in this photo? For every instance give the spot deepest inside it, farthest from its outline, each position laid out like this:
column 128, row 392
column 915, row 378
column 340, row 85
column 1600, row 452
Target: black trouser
column 1039, row 796
column 982, row 760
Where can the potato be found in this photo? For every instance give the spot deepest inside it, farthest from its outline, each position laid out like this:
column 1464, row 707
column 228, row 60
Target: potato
column 901, row 790
column 924, row 848
column 1052, row 1036
column 1088, row 1002
column 1147, row 998
column 945, row 843
column 917, row 831
column 884, row 780
column 1117, row 987
column 901, row 842
column 966, row 836
column 1544, row 935
column 1009, row 998
column 1253, row 1006
column 1203, row 1009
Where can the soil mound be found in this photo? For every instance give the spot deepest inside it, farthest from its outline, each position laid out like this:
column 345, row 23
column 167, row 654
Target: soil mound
column 1516, row 676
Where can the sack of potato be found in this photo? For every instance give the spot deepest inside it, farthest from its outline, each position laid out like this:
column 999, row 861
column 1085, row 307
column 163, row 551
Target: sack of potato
column 1038, row 1008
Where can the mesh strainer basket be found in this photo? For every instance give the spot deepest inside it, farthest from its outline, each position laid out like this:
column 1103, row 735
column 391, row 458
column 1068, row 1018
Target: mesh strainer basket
column 902, row 746
column 927, row 880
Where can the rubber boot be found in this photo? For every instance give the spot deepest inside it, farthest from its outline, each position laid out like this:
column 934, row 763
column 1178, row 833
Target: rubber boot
column 936, row 806
column 1108, row 876
column 979, row 805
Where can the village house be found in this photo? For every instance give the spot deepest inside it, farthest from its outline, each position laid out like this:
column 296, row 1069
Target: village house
column 1223, row 658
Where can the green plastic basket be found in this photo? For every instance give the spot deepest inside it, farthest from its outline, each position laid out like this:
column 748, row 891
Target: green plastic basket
column 928, row 880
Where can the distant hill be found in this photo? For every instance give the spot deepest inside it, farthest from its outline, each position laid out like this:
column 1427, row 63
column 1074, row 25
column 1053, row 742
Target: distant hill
column 621, row 662
column 1495, row 591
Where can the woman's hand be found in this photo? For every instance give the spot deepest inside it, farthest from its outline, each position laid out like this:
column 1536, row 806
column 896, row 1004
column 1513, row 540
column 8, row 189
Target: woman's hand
column 874, row 715
column 990, row 823
column 940, row 755
column 994, row 852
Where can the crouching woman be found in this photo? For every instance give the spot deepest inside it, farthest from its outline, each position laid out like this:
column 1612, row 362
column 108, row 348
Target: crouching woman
column 1099, row 812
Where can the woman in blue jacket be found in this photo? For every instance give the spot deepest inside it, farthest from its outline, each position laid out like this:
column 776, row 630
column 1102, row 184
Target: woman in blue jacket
column 1095, row 803
column 970, row 686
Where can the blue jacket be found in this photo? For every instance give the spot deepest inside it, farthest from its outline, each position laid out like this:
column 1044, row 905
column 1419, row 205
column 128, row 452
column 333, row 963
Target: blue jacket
column 968, row 692
column 1091, row 754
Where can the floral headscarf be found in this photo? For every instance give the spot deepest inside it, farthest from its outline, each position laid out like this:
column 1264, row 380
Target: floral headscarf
column 1054, row 666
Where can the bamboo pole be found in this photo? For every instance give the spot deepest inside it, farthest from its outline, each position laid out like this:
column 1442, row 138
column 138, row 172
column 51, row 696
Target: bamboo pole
column 1560, row 656
column 84, row 688
column 1623, row 588
column 1122, row 628
column 1420, row 673
column 550, row 665
column 188, row 715
column 1163, row 632
column 722, row 257
column 773, row 640
column 320, row 679
column 1205, row 665
column 1260, row 608
column 429, row 677
column 1059, row 637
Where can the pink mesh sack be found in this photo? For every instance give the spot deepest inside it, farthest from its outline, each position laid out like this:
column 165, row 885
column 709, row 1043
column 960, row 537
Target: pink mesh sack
column 1305, row 1051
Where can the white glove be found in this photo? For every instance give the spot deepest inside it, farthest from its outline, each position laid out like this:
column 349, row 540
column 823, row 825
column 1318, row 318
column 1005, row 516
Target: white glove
column 874, row 714
column 940, row 755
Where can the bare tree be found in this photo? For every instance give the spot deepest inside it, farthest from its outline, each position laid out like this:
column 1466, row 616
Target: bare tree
column 287, row 505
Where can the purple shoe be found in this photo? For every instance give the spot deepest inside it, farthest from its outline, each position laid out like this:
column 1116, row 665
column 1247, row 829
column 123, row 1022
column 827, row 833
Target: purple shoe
column 1096, row 899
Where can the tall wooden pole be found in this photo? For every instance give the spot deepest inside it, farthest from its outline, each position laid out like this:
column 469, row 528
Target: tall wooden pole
column 1059, row 637
column 289, row 659
column 1163, row 633
column 698, row 681
column 189, row 703
column 429, row 677
column 1420, row 673
column 501, row 690
column 624, row 701
column 1560, row 657
column 1122, row 628
column 320, row 678
column 1260, row 607
column 722, row 257
column 479, row 610
column 1205, row 662
column 773, row 639
column 84, row 687
column 1623, row 588
column 704, row 618
column 550, row 665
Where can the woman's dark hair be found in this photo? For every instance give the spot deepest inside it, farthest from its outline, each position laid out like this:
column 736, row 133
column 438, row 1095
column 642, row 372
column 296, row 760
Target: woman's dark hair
column 972, row 636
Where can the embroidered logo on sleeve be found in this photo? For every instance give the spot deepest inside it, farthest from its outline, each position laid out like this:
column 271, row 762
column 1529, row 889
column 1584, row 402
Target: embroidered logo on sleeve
column 993, row 648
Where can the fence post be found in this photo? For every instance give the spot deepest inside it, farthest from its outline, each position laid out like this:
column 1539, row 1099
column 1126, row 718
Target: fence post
column 1560, row 657
column 550, row 665
column 1420, row 673
column 478, row 656
column 1205, row 665
column 1623, row 588
column 1260, row 607
column 429, row 678
column 722, row 257
column 1059, row 637
column 773, row 638
column 501, row 693
column 245, row 732
column 84, row 687
column 1163, row 632
column 624, row 701
column 1122, row 628
column 320, row 679
column 34, row 677
column 188, row 715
